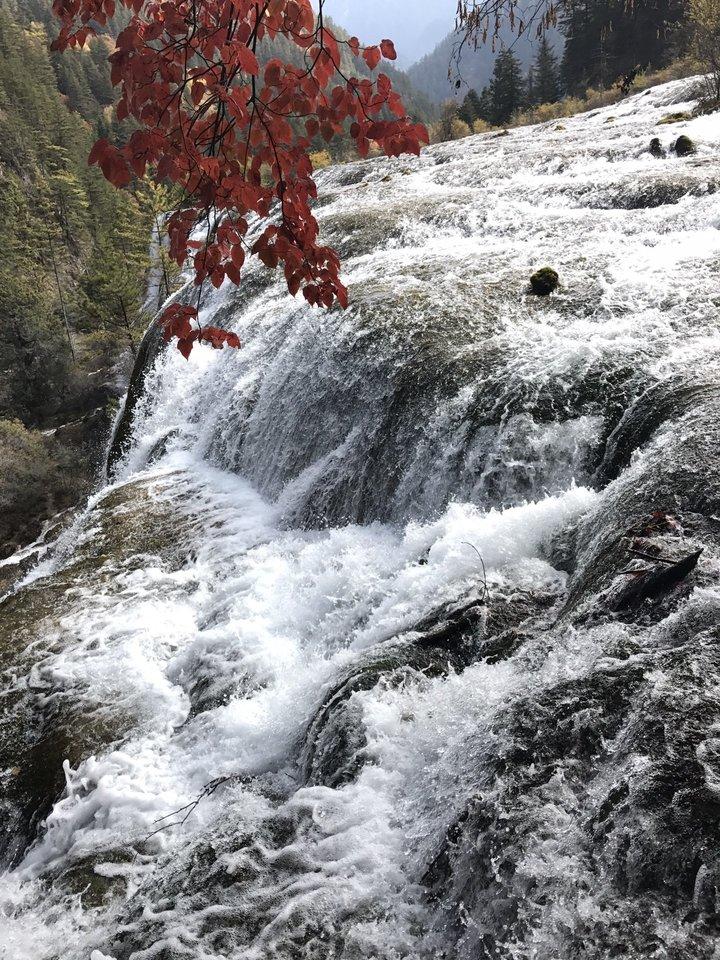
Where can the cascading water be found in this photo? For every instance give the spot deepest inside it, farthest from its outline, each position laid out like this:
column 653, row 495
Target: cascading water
column 282, row 586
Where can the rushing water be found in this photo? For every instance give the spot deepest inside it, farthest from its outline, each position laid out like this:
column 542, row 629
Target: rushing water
column 364, row 569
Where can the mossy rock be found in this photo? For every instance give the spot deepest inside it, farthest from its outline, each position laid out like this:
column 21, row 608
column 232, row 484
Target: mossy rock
column 544, row 281
column 675, row 117
column 684, row 146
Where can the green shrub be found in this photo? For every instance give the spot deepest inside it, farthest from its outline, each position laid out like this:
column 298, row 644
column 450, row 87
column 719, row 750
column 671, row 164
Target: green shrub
column 37, row 480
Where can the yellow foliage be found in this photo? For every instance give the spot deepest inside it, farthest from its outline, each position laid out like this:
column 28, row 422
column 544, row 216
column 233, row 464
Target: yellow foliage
column 459, row 129
column 705, row 17
column 448, row 129
column 320, row 159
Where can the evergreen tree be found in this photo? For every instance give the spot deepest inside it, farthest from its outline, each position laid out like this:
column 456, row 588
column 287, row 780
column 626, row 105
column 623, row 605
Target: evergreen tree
column 530, row 95
column 63, row 231
column 470, row 109
column 608, row 39
column 545, row 74
column 69, row 200
column 507, row 88
column 485, row 107
column 98, row 73
column 73, row 83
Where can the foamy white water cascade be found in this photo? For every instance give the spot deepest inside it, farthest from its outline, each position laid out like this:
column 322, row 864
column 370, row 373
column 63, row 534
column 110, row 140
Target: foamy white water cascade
column 282, row 586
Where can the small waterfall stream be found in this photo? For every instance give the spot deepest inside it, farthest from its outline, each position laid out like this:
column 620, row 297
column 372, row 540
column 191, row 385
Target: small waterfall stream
column 361, row 590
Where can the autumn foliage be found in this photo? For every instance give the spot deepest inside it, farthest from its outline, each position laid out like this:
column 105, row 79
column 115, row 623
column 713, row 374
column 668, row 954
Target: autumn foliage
column 235, row 134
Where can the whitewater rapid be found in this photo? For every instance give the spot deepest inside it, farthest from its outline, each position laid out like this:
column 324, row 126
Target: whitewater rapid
column 251, row 595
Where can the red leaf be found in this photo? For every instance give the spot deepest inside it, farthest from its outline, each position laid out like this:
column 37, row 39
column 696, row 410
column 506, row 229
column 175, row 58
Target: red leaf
column 237, row 148
column 185, row 347
column 99, row 150
column 372, row 56
column 247, row 61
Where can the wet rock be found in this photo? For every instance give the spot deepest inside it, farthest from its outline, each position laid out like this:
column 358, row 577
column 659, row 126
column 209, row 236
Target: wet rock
column 489, row 869
column 544, row 281
column 655, row 581
column 452, row 637
column 656, row 148
column 676, row 471
column 651, row 189
column 684, row 146
column 48, row 718
column 335, row 739
column 664, row 401
column 611, row 776
column 151, row 346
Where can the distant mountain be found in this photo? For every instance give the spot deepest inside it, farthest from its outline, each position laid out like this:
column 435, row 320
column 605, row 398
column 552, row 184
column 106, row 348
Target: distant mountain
column 419, row 106
column 415, row 26
column 430, row 74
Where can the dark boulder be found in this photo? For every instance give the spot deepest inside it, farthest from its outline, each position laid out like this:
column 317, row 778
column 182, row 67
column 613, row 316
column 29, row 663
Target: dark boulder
column 684, row 146
column 544, row 281
column 656, row 148
column 663, row 402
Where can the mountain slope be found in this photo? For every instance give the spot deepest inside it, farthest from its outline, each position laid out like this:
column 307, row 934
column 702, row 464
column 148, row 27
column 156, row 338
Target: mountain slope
column 71, row 279
column 414, row 33
column 430, row 74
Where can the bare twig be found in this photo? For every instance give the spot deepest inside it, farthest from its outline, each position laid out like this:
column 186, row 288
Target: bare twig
column 485, row 586
column 184, row 813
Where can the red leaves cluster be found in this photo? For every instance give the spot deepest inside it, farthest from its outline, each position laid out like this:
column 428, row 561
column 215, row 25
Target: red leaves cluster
column 177, row 322
column 235, row 135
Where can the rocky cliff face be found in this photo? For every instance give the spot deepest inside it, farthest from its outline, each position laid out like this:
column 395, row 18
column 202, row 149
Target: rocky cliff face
column 395, row 635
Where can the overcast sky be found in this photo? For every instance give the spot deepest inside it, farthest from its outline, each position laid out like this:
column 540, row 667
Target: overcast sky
column 416, row 26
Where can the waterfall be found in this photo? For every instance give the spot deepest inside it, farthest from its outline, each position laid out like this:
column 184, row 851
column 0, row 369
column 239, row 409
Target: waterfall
column 344, row 660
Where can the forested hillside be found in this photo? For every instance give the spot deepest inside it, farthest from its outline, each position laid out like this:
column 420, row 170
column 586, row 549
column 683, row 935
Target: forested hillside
column 413, row 35
column 72, row 273
column 596, row 40
column 606, row 39
column 430, row 74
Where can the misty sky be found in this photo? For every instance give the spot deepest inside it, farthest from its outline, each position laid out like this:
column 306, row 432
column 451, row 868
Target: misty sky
column 416, row 26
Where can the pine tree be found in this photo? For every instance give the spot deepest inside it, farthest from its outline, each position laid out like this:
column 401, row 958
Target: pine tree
column 155, row 202
column 608, row 39
column 70, row 205
column 485, row 107
column 75, row 250
column 470, row 109
column 546, row 74
column 507, row 88
column 530, row 95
